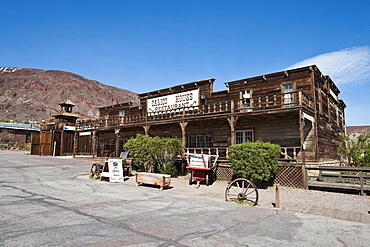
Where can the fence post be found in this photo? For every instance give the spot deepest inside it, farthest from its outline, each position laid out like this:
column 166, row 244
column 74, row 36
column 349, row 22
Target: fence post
column 362, row 182
column 277, row 195
column 305, row 177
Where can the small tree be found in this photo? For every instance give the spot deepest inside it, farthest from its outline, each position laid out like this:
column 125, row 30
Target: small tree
column 150, row 152
column 140, row 150
column 256, row 161
column 165, row 152
column 5, row 135
column 355, row 151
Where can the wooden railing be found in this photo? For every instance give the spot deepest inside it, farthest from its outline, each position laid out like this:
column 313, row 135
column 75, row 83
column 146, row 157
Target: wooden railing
column 339, row 178
column 221, row 151
column 287, row 153
column 290, row 153
column 274, row 101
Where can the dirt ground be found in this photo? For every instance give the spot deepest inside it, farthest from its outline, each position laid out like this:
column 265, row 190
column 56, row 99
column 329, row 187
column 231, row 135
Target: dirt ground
column 336, row 205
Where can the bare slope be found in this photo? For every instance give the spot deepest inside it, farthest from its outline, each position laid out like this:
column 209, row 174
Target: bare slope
column 34, row 94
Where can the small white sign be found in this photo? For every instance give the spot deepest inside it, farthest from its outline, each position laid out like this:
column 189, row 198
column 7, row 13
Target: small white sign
column 115, row 170
column 86, row 133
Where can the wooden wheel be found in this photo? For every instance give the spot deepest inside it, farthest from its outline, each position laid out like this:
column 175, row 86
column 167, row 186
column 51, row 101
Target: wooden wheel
column 242, row 190
column 95, row 171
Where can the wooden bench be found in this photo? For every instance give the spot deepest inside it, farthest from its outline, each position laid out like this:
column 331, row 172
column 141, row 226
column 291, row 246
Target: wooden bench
column 162, row 180
column 339, row 178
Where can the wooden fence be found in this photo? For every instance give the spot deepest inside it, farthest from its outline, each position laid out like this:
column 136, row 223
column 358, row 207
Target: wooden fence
column 291, row 175
column 339, row 178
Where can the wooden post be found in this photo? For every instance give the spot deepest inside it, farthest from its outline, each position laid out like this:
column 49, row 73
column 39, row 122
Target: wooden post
column 94, row 141
column 362, row 182
column 277, row 196
column 232, row 122
column 116, row 132
column 183, row 125
column 146, row 129
column 75, row 144
column 301, row 131
column 62, row 143
column 304, row 177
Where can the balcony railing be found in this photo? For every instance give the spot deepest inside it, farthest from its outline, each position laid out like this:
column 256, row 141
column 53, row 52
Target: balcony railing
column 274, row 101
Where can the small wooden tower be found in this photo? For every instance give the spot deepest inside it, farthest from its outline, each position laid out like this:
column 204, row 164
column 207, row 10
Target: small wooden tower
column 65, row 114
column 57, row 135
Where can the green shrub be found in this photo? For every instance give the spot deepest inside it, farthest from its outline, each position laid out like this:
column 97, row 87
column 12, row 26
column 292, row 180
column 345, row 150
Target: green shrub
column 355, row 150
column 154, row 152
column 139, row 149
column 256, row 161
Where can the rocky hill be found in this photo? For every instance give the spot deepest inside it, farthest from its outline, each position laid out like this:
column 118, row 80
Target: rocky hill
column 34, row 94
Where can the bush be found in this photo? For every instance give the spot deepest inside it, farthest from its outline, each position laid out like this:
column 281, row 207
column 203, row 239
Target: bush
column 154, row 152
column 356, row 150
column 256, row 161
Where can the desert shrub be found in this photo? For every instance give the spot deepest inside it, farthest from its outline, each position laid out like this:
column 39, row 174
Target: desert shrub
column 150, row 153
column 355, row 150
column 256, row 161
column 139, row 149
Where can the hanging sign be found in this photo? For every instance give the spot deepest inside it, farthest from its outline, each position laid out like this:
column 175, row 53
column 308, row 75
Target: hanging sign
column 115, row 170
column 173, row 102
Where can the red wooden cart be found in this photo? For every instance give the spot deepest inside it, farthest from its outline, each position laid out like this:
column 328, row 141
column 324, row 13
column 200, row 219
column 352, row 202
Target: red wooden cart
column 201, row 167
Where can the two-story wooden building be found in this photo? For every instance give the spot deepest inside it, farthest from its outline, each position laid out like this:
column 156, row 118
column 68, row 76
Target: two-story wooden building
column 298, row 109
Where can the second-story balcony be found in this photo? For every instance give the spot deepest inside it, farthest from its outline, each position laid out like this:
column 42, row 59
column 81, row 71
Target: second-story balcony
column 254, row 105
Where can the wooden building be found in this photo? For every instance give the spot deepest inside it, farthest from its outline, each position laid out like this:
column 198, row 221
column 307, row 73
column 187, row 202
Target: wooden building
column 298, row 109
column 17, row 132
column 56, row 136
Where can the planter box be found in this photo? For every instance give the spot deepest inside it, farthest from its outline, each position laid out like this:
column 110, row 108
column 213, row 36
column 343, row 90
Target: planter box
column 162, row 180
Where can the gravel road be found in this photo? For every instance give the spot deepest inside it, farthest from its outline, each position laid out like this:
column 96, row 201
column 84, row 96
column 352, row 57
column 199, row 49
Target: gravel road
column 336, row 205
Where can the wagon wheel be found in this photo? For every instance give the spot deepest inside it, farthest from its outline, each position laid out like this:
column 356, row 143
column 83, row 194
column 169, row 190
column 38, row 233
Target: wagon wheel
column 95, row 171
column 190, row 178
column 243, row 190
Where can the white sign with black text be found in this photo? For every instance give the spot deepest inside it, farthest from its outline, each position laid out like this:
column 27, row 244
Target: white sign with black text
column 173, row 102
column 115, row 170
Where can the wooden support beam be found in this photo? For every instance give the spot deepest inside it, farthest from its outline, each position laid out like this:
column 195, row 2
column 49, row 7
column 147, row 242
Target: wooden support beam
column 116, row 132
column 146, row 129
column 183, row 125
column 232, row 122
column 301, row 131
column 94, row 142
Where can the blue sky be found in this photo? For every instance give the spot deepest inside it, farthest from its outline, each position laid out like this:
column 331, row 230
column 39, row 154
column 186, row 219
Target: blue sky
column 147, row 45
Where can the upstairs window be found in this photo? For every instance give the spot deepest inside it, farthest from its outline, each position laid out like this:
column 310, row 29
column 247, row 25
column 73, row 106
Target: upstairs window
column 246, row 96
column 288, row 95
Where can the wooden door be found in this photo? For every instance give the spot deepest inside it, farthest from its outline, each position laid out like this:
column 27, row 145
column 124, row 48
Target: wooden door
column 46, row 143
column 35, row 143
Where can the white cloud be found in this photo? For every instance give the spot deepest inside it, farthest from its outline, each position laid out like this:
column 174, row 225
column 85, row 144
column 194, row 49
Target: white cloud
column 351, row 65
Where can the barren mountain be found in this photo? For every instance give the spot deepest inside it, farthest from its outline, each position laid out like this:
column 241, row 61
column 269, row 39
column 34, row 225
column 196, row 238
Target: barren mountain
column 34, row 94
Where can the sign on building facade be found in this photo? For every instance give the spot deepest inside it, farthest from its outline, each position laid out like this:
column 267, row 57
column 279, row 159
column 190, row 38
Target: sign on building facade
column 173, row 102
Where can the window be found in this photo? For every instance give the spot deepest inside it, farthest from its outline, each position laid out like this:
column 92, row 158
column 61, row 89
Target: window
column 246, row 100
column 288, row 95
column 106, row 116
column 242, row 136
column 199, row 141
column 121, row 113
